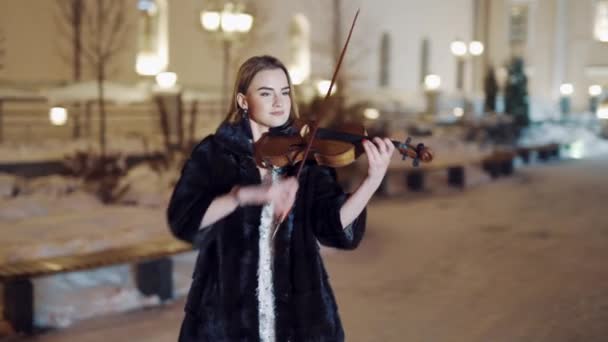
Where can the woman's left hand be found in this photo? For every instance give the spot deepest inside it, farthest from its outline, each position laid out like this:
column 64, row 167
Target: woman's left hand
column 379, row 155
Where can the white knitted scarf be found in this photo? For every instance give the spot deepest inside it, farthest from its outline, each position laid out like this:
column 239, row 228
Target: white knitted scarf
column 265, row 291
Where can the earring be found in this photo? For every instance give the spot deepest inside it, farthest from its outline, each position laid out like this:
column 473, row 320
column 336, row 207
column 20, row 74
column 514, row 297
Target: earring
column 245, row 113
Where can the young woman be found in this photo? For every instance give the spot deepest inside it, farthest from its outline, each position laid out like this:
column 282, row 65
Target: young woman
column 246, row 285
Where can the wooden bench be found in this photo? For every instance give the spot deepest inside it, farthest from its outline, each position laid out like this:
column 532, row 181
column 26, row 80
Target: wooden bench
column 544, row 152
column 154, row 272
column 415, row 176
column 499, row 163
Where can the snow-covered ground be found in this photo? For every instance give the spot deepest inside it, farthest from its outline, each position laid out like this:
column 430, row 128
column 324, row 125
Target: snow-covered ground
column 515, row 260
column 57, row 149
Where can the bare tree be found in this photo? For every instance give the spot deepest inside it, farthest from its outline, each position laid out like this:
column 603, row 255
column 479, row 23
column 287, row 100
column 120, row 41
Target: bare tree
column 2, row 49
column 105, row 31
column 69, row 21
column 69, row 18
column 337, row 18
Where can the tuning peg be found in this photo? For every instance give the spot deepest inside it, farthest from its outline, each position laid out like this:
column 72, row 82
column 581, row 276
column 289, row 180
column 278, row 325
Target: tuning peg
column 404, row 146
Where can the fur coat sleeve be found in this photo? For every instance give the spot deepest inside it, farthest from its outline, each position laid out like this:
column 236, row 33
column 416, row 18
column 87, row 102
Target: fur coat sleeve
column 193, row 193
column 329, row 198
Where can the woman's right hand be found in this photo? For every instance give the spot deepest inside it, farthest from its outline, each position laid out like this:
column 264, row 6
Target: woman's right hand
column 281, row 193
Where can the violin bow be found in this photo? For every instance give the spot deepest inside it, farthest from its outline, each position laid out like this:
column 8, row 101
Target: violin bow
column 315, row 126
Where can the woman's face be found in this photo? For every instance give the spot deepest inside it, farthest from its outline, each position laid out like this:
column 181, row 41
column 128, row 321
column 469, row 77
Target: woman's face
column 268, row 98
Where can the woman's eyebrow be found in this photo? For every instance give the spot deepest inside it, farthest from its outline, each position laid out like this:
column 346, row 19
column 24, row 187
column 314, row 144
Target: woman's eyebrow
column 270, row 88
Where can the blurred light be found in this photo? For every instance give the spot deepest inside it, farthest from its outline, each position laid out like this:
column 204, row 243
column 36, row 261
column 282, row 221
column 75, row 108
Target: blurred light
column 323, row 87
column 297, row 75
column 432, row 82
column 210, row 20
column 566, row 89
column 602, row 112
column 58, row 116
column 371, row 113
column 458, row 112
column 244, row 22
column 147, row 6
column 600, row 30
column 230, row 20
column 148, row 64
column 595, row 90
column 459, row 48
column 166, row 80
column 577, row 149
column 476, row 48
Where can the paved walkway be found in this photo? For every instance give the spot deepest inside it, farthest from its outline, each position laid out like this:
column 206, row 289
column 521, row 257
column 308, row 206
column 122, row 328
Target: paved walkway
column 520, row 259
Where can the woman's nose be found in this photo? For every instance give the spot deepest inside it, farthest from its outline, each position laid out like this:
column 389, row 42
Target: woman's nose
column 276, row 102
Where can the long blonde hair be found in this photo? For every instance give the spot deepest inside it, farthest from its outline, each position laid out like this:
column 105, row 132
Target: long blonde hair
column 246, row 73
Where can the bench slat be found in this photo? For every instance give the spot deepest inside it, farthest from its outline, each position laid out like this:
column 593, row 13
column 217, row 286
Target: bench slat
column 68, row 263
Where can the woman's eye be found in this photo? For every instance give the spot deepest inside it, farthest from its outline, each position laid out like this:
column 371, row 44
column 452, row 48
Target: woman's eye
column 265, row 94
column 286, row 93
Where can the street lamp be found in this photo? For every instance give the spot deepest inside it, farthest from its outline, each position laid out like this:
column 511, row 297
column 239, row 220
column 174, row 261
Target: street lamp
column 58, row 116
column 229, row 24
column 594, row 96
column 566, row 90
column 432, row 83
column 460, row 50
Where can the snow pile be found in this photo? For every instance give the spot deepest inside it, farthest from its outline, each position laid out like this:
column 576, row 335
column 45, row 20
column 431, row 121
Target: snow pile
column 56, row 149
column 88, row 91
column 8, row 185
column 147, row 187
column 54, row 186
column 65, row 298
column 580, row 138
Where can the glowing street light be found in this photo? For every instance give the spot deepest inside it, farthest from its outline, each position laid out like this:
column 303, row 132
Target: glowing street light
column 458, row 112
column 166, row 80
column 228, row 24
column 594, row 97
column 323, row 87
column 458, row 48
column 476, row 48
column 566, row 90
column 432, row 82
column 58, row 116
column 371, row 113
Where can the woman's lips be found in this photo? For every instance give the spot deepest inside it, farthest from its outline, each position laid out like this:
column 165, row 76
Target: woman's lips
column 277, row 113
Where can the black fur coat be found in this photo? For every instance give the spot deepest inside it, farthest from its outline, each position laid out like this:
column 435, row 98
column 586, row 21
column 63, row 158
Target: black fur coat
column 222, row 303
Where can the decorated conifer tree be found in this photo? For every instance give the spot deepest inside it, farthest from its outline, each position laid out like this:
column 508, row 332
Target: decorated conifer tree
column 516, row 95
column 490, row 89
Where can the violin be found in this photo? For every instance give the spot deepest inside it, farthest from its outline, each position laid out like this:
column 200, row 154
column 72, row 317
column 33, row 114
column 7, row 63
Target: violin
column 335, row 148
column 330, row 147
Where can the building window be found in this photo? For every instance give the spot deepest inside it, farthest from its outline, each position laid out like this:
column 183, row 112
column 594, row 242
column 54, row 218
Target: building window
column 518, row 24
column 600, row 26
column 152, row 37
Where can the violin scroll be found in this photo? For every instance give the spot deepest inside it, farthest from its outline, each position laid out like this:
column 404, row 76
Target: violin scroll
column 417, row 153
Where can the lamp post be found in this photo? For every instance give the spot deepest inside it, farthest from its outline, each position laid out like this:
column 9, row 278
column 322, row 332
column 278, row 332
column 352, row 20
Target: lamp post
column 594, row 96
column 566, row 90
column 460, row 50
column 432, row 83
column 228, row 24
